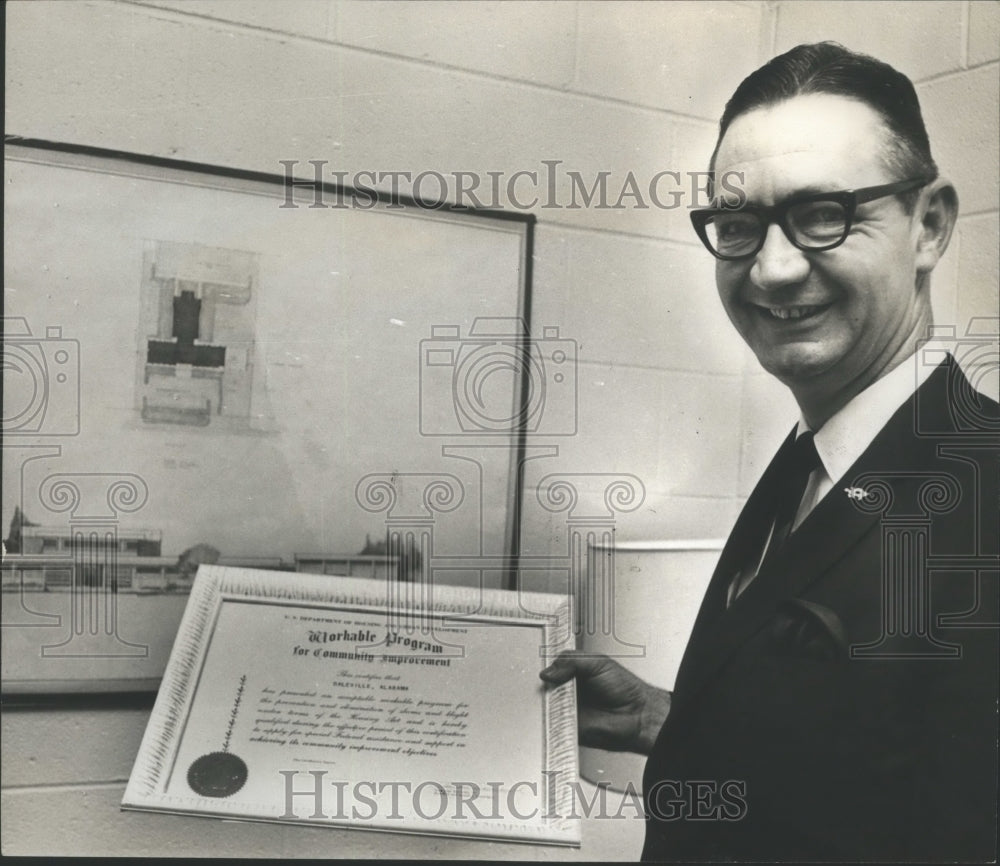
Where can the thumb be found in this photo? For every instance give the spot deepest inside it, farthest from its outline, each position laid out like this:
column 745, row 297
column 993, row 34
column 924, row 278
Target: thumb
column 563, row 669
column 559, row 672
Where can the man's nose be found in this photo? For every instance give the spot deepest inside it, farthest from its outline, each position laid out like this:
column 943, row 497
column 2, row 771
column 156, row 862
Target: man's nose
column 778, row 263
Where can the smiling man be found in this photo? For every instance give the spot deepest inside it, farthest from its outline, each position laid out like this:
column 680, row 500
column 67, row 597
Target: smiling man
column 841, row 676
column 828, row 325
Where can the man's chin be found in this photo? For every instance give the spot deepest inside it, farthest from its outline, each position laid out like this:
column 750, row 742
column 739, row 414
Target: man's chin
column 795, row 369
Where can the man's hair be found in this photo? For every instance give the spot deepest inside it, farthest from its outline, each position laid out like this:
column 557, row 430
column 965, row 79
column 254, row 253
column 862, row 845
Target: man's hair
column 827, row 67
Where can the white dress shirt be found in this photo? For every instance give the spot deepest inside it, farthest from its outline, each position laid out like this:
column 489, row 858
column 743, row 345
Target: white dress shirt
column 843, row 439
column 848, row 433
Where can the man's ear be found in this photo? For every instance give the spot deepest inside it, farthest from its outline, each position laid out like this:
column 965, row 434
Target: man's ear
column 937, row 209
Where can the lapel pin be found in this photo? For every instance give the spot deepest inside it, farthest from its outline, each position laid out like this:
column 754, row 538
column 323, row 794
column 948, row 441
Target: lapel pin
column 855, row 492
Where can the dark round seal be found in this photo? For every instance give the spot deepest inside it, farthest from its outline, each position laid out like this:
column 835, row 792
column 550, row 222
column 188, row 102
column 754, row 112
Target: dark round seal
column 219, row 774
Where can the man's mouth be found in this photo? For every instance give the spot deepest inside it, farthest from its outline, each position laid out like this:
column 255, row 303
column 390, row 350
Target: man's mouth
column 793, row 313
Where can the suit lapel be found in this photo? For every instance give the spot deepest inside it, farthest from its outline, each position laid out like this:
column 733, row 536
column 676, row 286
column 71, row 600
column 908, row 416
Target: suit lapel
column 745, row 540
column 832, row 529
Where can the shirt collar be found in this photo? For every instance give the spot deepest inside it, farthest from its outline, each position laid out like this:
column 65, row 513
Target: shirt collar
column 846, row 434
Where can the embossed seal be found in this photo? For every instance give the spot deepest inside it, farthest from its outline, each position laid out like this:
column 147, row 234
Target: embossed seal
column 218, row 774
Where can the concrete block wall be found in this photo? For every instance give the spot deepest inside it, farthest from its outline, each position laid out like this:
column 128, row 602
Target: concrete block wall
column 666, row 391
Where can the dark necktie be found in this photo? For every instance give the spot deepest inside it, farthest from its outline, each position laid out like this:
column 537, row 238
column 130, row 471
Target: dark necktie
column 796, row 466
column 802, row 460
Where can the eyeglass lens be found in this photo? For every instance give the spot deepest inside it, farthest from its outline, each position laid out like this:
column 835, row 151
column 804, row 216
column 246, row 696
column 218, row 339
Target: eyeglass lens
column 811, row 224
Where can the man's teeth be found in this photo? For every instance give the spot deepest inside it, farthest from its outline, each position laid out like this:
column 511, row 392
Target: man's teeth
column 791, row 312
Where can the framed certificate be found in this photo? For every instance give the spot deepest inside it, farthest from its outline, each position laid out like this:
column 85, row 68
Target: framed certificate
column 369, row 704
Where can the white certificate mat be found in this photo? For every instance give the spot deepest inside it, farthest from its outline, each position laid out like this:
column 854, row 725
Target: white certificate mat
column 362, row 703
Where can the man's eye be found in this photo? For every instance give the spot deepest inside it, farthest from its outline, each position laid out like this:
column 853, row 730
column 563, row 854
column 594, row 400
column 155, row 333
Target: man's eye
column 735, row 229
column 819, row 215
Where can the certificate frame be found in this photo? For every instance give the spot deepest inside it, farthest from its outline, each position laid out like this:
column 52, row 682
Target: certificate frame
column 191, row 719
column 113, row 450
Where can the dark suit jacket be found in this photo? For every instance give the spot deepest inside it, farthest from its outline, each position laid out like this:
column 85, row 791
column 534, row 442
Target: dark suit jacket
column 844, row 706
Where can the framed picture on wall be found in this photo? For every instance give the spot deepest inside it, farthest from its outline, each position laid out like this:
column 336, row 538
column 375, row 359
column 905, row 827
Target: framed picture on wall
column 205, row 365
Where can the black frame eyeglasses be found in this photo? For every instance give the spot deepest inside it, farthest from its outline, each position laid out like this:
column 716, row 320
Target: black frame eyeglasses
column 813, row 222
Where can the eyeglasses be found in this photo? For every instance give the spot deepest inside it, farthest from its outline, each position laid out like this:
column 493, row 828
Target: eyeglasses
column 813, row 222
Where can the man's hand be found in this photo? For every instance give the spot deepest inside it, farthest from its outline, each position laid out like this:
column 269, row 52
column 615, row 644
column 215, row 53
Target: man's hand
column 617, row 711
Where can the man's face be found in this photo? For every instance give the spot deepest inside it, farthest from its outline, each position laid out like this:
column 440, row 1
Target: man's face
column 830, row 320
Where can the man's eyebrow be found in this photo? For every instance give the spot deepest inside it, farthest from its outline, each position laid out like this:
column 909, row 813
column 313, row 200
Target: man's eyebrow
column 801, row 192
column 816, row 189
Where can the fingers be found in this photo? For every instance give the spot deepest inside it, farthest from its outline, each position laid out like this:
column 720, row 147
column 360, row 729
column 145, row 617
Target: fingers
column 609, row 733
column 572, row 663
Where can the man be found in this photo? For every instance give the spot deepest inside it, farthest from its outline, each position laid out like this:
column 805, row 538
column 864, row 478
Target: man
column 836, row 679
